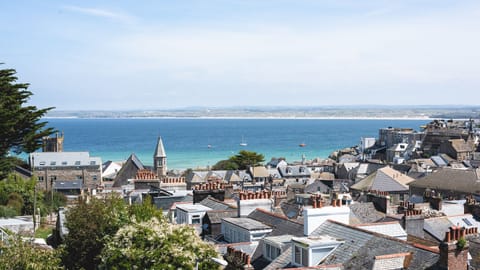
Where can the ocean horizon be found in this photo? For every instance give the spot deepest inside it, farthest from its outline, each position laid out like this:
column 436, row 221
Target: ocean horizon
column 201, row 142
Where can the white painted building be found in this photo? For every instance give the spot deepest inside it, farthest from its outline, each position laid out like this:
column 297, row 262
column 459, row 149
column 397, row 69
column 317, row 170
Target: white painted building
column 191, row 213
column 237, row 230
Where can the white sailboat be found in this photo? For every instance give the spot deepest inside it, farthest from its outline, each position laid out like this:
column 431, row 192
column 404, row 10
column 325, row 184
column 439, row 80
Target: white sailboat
column 243, row 142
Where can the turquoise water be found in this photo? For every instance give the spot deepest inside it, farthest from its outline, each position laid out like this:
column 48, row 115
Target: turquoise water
column 186, row 141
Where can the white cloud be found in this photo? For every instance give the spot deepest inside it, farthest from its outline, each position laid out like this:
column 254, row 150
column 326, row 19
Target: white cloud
column 102, row 13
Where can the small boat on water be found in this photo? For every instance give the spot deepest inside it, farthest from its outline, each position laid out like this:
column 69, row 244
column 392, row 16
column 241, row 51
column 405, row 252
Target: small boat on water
column 209, row 146
column 302, row 145
column 243, row 142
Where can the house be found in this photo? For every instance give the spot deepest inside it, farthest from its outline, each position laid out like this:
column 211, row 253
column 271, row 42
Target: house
column 212, row 222
column 467, row 181
column 458, row 149
column 110, row 170
column 128, row 171
column 298, row 172
column 397, row 153
column 281, row 225
column 386, row 180
column 191, row 213
column 50, row 167
column 276, row 163
column 243, row 229
column 345, row 170
column 335, row 245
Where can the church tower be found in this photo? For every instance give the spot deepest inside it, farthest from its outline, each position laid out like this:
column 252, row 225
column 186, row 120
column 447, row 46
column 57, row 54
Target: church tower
column 160, row 159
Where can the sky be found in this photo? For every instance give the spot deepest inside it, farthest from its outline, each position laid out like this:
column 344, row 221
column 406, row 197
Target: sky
column 147, row 55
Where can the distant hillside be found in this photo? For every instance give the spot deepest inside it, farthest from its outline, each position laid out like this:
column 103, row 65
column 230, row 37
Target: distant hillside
column 374, row 111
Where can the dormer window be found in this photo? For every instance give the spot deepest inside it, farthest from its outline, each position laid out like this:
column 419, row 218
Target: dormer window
column 53, row 163
column 64, row 163
column 301, row 256
column 302, row 169
column 289, row 170
column 42, row 163
column 271, row 252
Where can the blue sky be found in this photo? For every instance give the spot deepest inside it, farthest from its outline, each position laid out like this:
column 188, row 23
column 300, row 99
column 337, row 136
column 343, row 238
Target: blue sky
column 170, row 54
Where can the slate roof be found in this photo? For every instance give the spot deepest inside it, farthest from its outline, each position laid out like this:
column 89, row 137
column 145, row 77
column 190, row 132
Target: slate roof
column 439, row 225
column 259, row 171
column 393, row 229
column 67, row 185
column 360, row 247
column 128, row 171
column 294, row 171
column 281, row 225
column 247, row 223
column 466, row 181
column 62, row 159
column 281, row 261
column 361, row 213
column 460, row 145
column 214, row 204
column 384, row 179
column 216, row 216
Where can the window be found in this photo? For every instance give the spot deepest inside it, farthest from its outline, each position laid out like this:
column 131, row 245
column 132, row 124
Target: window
column 92, row 163
column 94, row 177
column 42, row 163
column 53, row 163
column 271, row 252
column 64, row 163
column 77, row 162
column 40, row 178
column 53, row 178
column 300, row 256
column 196, row 219
column 79, row 177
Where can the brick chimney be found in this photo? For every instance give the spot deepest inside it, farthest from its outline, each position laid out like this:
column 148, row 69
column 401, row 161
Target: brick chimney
column 238, row 259
column 380, row 199
column 454, row 253
column 248, row 201
column 216, row 190
column 413, row 221
column 318, row 212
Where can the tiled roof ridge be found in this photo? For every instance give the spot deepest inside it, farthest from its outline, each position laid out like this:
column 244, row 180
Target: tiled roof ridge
column 393, row 255
column 277, row 215
column 427, row 248
column 216, row 200
column 375, row 223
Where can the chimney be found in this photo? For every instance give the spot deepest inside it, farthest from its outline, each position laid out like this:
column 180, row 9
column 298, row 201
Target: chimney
column 238, row 259
column 380, row 199
column 454, row 249
column 436, row 203
column 413, row 222
column 200, row 192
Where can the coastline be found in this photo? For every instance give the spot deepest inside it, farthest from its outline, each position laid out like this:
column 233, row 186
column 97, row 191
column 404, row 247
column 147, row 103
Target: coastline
column 251, row 117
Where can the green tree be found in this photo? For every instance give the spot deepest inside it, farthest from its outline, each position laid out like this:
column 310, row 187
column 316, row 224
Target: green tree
column 157, row 244
column 88, row 224
column 240, row 161
column 26, row 189
column 20, row 127
column 21, row 255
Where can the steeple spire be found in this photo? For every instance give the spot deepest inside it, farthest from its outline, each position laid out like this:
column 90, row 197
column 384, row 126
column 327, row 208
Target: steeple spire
column 160, row 159
column 159, row 150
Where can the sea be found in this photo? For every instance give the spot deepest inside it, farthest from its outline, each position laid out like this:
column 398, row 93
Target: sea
column 202, row 142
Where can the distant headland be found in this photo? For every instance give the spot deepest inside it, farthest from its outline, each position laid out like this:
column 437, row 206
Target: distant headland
column 321, row 112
